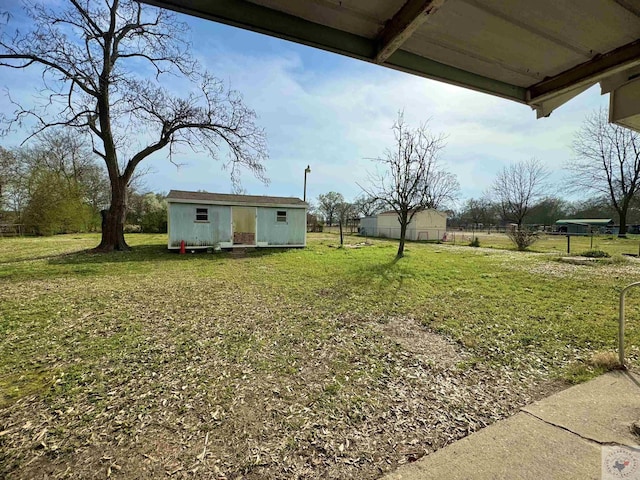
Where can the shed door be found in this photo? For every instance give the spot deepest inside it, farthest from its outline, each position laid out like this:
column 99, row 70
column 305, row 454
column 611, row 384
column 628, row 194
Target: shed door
column 244, row 225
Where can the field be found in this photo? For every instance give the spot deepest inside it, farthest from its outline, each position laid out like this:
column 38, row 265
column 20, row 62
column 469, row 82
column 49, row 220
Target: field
column 322, row 362
column 556, row 243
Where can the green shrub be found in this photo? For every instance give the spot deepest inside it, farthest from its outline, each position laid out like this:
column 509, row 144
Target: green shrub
column 475, row 242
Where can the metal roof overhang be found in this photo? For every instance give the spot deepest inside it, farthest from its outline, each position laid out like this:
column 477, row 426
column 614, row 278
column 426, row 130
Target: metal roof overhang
column 540, row 53
column 236, row 204
column 585, row 221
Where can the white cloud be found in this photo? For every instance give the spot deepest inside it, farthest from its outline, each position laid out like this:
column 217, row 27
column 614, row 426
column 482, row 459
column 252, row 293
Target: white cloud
column 335, row 122
column 333, row 114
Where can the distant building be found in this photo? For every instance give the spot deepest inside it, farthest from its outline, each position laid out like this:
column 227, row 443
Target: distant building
column 209, row 220
column 369, row 226
column 425, row 225
column 584, row 226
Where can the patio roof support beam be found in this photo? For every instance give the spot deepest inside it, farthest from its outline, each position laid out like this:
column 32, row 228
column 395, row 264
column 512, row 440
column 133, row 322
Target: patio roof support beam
column 402, row 25
column 257, row 18
column 587, row 73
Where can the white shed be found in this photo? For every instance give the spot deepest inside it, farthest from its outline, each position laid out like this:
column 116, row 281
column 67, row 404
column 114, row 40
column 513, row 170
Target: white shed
column 204, row 220
column 369, row 226
column 426, row 225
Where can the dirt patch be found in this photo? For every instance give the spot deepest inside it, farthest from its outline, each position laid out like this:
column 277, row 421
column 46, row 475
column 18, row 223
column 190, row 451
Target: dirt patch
column 429, row 346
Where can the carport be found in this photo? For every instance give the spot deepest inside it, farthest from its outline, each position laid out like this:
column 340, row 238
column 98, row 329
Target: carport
column 540, row 53
column 584, row 226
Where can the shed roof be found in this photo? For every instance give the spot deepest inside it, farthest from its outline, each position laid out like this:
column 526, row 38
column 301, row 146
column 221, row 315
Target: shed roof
column 585, row 221
column 539, row 53
column 181, row 196
column 393, row 212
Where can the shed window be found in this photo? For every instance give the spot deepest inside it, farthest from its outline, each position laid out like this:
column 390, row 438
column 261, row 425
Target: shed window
column 281, row 216
column 202, row 214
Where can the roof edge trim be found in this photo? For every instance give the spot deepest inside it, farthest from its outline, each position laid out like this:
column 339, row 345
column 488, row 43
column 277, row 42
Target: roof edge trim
column 588, row 72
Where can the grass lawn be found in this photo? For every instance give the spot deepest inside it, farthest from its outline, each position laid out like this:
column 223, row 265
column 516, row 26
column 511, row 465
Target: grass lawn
column 554, row 243
column 309, row 363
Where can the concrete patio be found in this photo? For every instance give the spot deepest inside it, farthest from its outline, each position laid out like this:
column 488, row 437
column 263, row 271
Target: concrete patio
column 559, row 437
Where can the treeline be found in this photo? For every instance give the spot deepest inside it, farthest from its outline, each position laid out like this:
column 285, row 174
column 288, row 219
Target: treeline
column 331, row 208
column 478, row 213
column 57, row 186
column 146, row 213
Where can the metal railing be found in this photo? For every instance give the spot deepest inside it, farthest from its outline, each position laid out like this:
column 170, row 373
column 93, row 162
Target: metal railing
column 623, row 293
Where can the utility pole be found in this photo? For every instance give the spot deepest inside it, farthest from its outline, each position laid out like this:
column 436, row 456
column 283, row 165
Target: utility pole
column 306, row 170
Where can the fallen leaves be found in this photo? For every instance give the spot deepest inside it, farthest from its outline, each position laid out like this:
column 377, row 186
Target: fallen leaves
column 214, row 368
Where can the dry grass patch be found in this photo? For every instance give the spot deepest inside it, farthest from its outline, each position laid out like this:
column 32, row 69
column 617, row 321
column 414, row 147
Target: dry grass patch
column 415, row 338
column 606, row 361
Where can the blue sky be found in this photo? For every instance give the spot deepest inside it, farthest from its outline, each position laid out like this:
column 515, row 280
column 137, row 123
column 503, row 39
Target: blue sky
column 335, row 113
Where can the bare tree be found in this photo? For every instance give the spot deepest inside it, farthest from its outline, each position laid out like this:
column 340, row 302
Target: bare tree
column 548, row 211
column 518, row 187
column 97, row 58
column 476, row 211
column 412, row 178
column 58, row 172
column 596, row 207
column 607, row 163
column 367, row 206
column 328, row 204
column 69, row 157
column 14, row 173
column 7, row 166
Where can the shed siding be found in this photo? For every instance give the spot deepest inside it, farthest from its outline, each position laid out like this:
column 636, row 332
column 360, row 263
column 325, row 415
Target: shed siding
column 430, row 219
column 429, row 225
column 388, row 226
column 573, row 228
column 369, row 226
column 425, row 225
column 183, row 225
column 291, row 232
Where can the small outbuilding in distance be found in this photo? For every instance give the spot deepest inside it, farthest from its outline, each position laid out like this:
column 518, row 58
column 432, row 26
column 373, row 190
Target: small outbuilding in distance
column 219, row 220
column 427, row 224
column 583, row 226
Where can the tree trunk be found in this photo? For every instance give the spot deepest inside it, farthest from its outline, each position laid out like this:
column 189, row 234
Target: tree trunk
column 622, row 232
column 113, row 220
column 403, row 234
column 341, row 237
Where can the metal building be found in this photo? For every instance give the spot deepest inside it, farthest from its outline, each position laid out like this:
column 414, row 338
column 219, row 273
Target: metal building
column 584, row 226
column 425, row 225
